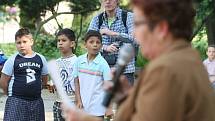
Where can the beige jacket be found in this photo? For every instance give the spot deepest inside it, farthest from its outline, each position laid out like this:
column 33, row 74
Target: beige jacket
column 175, row 87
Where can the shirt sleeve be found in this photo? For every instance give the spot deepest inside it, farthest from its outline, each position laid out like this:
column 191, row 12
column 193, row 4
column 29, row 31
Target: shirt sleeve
column 106, row 72
column 94, row 24
column 75, row 69
column 130, row 27
column 8, row 66
column 45, row 66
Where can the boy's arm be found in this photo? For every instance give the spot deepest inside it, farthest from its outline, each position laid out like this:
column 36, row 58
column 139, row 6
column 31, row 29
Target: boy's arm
column 4, row 80
column 77, row 93
column 1, row 66
column 45, row 79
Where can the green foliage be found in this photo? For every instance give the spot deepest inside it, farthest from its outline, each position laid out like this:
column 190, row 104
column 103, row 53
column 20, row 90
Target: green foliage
column 32, row 10
column 203, row 9
column 8, row 49
column 78, row 29
column 79, row 51
column 47, row 46
column 7, row 2
column 84, row 5
column 200, row 43
column 141, row 61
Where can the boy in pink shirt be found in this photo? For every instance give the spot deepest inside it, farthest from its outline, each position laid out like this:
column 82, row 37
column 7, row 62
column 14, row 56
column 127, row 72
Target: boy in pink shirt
column 210, row 63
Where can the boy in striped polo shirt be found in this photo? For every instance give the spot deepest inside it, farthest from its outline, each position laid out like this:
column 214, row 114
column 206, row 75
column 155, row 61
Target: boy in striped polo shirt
column 90, row 72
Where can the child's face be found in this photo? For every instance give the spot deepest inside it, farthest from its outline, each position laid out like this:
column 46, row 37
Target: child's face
column 24, row 44
column 64, row 44
column 211, row 53
column 93, row 45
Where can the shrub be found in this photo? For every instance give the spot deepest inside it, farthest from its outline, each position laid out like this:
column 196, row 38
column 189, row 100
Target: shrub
column 47, row 46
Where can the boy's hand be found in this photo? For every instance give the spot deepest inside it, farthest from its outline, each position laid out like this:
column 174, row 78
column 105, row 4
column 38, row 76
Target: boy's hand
column 79, row 104
column 109, row 112
column 112, row 48
column 122, row 90
column 51, row 88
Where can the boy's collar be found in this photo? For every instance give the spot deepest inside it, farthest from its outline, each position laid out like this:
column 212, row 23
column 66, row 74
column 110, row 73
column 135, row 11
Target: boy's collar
column 28, row 56
column 95, row 60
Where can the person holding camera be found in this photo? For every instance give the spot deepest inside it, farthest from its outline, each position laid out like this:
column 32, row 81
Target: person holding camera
column 116, row 26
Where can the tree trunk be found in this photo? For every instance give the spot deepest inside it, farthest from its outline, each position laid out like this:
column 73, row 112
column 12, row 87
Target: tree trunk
column 210, row 28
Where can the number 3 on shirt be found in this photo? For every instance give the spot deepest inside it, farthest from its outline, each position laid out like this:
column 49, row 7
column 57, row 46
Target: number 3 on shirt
column 30, row 75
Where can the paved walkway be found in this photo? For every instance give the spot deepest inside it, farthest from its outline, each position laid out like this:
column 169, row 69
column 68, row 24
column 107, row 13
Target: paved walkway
column 48, row 99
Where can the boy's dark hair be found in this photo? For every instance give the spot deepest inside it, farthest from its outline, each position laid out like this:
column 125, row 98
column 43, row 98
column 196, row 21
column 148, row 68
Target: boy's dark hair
column 68, row 33
column 91, row 33
column 22, row 32
column 211, row 46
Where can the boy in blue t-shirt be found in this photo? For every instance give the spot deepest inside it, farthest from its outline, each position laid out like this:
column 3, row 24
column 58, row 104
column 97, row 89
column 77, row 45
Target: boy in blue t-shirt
column 21, row 81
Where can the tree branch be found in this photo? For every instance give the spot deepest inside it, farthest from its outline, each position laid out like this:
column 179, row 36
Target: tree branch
column 201, row 25
column 81, row 25
column 53, row 13
column 57, row 14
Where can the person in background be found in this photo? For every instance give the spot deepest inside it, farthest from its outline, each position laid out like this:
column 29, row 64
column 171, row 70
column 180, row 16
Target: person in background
column 2, row 60
column 90, row 72
column 210, row 63
column 175, row 85
column 21, row 81
column 66, row 45
column 115, row 23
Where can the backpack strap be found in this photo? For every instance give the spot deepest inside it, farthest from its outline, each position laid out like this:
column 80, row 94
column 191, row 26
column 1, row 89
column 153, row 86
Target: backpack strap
column 101, row 18
column 124, row 18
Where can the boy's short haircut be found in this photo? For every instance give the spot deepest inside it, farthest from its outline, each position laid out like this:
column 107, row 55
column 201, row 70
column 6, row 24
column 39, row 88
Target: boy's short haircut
column 70, row 34
column 22, row 32
column 94, row 33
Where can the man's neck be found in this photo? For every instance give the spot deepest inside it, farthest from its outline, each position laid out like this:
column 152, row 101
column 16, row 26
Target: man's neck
column 111, row 13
